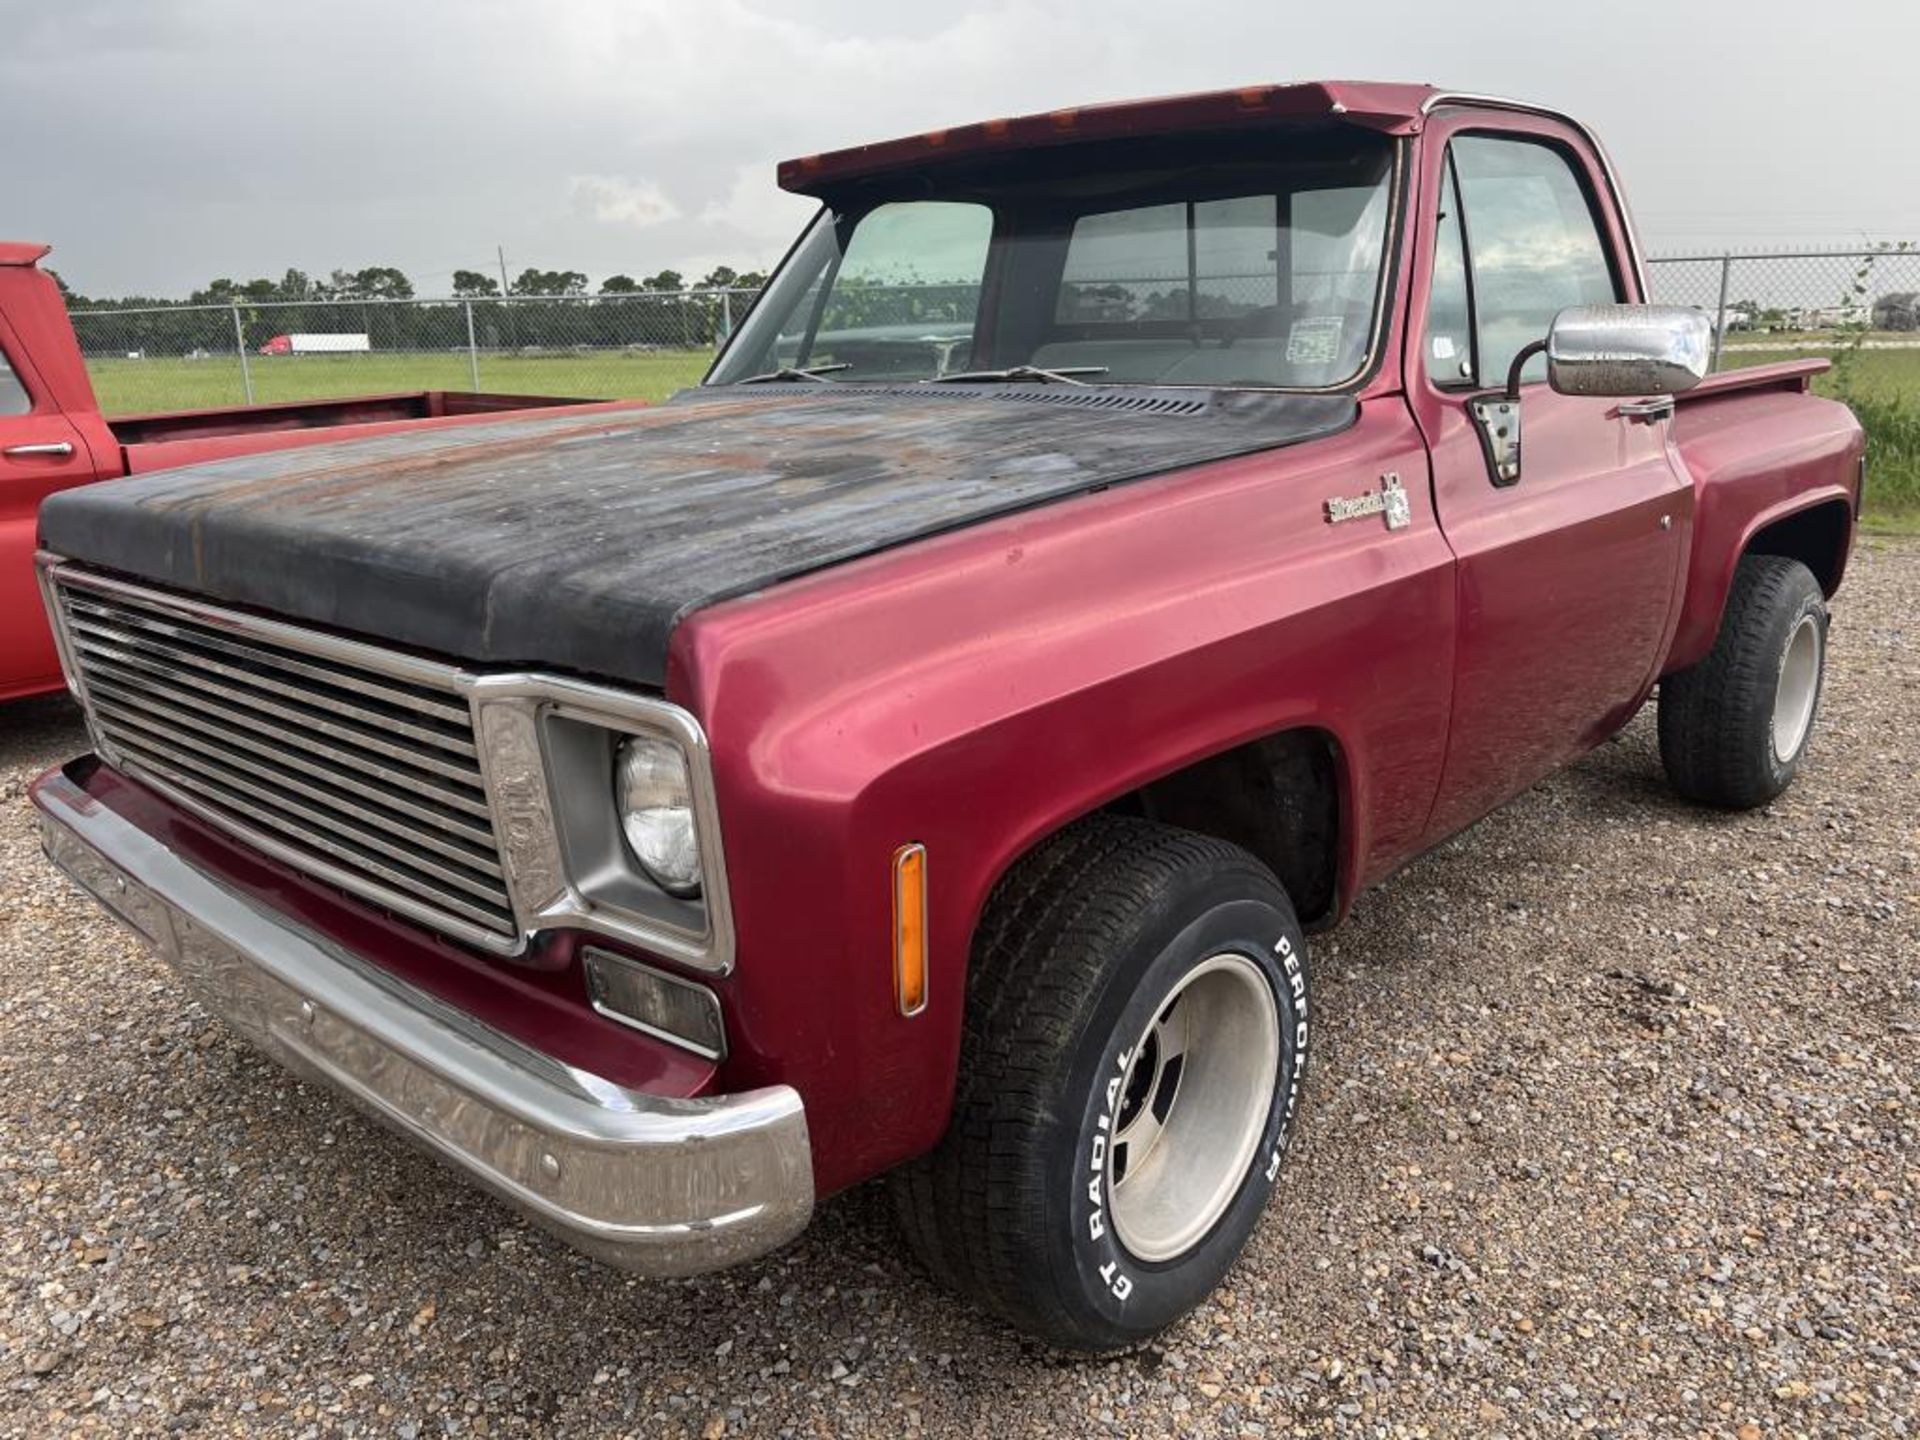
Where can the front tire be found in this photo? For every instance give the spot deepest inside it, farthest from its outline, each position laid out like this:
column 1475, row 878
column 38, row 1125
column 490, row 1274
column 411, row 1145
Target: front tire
column 1734, row 728
column 1135, row 1039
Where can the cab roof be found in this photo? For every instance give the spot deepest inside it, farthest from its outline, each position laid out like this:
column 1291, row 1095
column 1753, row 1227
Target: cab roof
column 1393, row 109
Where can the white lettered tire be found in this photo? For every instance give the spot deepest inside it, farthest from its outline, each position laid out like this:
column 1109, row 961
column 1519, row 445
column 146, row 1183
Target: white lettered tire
column 1137, row 1032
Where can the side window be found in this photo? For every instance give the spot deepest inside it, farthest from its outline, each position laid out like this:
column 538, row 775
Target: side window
column 14, row 399
column 1533, row 243
column 1449, row 342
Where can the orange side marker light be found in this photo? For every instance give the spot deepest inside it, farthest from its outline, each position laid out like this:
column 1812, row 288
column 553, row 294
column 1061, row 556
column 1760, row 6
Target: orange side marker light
column 910, row 928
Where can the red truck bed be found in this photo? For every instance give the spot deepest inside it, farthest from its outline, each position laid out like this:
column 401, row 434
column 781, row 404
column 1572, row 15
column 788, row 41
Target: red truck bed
column 171, row 427
column 53, row 437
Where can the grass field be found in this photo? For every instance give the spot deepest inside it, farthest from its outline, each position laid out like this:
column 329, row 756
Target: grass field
column 1891, row 373
column 1884, row 387
column 132, row 387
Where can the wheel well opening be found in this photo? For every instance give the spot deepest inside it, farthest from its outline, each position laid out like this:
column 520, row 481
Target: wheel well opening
column 1277, row 797
column 1816, row 537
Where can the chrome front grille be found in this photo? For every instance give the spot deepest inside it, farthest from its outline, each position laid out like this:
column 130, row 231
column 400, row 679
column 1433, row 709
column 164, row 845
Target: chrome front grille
column 353, row 763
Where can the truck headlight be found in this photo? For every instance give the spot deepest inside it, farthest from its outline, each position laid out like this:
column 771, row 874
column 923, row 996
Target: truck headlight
column 655, row 800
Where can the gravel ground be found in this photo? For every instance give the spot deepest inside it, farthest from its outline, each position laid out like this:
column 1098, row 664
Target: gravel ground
column 1614, row 1129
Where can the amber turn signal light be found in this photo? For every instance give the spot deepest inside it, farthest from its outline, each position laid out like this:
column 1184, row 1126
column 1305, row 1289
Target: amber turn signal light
column 910, row 928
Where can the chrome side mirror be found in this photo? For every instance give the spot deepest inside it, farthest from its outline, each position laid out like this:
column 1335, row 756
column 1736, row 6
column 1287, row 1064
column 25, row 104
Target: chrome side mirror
column 1613, row 350
column 1628, row 350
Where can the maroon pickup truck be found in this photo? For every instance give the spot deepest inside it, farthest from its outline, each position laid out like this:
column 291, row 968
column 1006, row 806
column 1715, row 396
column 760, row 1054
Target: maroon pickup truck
column 53, row 437
column 1116, row 539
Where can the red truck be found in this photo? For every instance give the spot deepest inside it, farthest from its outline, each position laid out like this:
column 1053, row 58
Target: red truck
column 53, row 437
column 1116, row 539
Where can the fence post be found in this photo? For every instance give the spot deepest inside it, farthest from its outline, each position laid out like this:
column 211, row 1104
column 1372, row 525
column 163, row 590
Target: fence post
column 240, row 349
column 726, row 319
column 473, row 350
column 1720, row 316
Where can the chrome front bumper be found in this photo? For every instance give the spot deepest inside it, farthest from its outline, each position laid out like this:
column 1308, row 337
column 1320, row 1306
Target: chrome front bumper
column 658, row 1185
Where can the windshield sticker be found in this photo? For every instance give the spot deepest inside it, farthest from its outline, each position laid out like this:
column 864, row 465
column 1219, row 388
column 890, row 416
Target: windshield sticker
column 1315, row 340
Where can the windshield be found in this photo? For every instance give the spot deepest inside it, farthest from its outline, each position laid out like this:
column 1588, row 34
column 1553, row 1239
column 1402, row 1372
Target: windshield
column 1245, row 261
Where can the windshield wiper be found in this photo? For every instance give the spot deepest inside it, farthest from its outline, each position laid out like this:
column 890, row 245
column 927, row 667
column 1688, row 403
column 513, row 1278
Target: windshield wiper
column 1064, row 375
column 816, row 373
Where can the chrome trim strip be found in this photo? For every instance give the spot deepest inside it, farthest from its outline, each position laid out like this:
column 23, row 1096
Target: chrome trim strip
column 431, row 772
column 447, row 833
column 349, row 832
column 338, row 676
column 269, row 763
column 304, row 715
column 1635, row 256
column 193, row 669
column 479, row 927
column 44, row 565
column 314, row 642
column 658, row 1185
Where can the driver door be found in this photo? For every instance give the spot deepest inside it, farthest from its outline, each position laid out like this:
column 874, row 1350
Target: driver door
column 1566, row 576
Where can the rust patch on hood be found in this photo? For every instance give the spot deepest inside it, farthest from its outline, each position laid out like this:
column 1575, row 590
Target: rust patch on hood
column 580, row 542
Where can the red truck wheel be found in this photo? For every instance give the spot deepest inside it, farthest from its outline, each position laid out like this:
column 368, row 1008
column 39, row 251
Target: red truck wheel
column 1733, row 728
column 1136, row 1034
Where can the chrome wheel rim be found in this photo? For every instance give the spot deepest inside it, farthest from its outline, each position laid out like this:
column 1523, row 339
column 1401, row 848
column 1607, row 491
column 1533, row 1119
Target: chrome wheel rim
column 1194, row 1103
column 1799, row 687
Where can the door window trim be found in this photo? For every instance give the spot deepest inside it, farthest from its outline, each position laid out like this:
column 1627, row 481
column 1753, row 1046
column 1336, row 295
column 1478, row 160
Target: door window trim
column 1582, row 177
column 1617, row 213
column 1450, row 181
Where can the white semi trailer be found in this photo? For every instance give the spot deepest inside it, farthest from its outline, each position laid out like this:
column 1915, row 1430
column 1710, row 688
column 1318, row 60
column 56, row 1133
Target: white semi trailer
column 317, row 345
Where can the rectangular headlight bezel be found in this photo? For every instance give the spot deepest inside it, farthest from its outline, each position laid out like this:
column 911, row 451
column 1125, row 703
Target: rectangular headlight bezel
column 547, row 748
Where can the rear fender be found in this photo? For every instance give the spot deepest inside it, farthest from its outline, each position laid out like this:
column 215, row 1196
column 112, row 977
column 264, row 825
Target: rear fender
column 1714, row 566
column 1758, row 460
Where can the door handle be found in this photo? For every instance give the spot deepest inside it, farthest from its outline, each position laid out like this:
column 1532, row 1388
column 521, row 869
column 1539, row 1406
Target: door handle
column 1647, row 411
column 60, row 448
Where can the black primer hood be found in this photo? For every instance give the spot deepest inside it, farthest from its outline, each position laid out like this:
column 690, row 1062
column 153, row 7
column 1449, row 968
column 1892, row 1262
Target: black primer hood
column 579, row 542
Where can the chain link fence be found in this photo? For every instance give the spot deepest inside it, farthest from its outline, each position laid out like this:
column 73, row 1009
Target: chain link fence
column 177, row 357
column 1861, row 308
column 649, row 344
column 1810, row 300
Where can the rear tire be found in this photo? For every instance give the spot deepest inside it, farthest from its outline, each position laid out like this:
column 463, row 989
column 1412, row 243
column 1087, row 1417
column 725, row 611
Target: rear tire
column 1136, row 1031
column 1734, row 728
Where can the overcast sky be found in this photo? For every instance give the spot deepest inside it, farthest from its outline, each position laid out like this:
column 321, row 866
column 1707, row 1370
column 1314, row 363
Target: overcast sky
column 160, row 143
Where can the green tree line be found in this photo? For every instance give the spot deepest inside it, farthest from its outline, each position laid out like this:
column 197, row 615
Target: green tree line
column 649, row 311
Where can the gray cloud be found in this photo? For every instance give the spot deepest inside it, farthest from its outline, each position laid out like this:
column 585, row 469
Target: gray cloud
column 158, row 143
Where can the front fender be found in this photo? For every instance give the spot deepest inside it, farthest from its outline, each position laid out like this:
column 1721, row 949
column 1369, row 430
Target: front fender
column 977, row 692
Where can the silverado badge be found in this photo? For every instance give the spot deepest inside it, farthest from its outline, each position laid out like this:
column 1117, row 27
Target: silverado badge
column 1389, row 500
